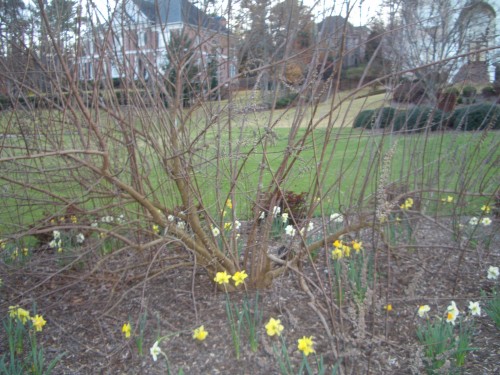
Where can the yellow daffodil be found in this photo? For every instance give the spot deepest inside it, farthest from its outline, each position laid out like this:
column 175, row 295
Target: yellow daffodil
column 357, row 245
column 23, row 315
column 305, row 345
column 200, row 333
column 222, row 277
column 228, row 226
column 74, row 219
column 338, row 244
column 38, row 322
column 346, row 251
column 20, row 313
column 486, row 209
column 156, row 229
column 388, row 307
column 337, row 253
column 408, row 203
column 229, row 203
column 239, row 277
column 126, row 330
column 448, row 199
column 274, row 327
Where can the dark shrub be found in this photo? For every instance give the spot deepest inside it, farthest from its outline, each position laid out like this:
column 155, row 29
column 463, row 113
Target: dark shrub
column 496, row 87
column 285, row 101
column 418, row 119
column 5, row 102
column 364, row 119
column 384, row 117
column 488, row 92
column 477, row 116
column 375, row 118
column 468, row 95
column 469, row 91
column 409, row 92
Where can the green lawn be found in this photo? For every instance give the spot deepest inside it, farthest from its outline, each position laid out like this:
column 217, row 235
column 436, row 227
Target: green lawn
column 465, row 165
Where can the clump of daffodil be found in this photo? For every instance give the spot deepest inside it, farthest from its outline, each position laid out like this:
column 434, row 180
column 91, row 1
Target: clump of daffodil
column 486, row 209
column 20, row 313
column 38, row 322
column 408, row 203
column 127, row 329
column 306, row 345
column 340, row 250
column 239, row 277
column 274, row 327
column 448, row 199
column 73, row 219
column 222, row 278
column 200, row 334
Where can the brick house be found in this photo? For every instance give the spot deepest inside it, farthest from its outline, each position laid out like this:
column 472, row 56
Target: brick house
column 134, row 42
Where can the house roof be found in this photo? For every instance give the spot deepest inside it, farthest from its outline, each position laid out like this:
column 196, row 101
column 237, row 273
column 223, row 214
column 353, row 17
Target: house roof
column 178, row 11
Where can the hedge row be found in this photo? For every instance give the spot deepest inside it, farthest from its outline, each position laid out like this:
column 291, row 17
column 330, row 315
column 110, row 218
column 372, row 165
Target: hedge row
column 471, row 117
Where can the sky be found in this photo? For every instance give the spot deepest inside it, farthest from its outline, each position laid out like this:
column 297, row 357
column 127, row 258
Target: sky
column 362, row 10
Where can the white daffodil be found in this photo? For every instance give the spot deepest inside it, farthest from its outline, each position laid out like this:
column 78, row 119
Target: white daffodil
column 485, row 221
column 215, row 231
column 474, row 308
column 473, row 221
column 423, row 310
column 337, row 218
column 80, row 238
column 452, row 313
column 290, row 231
column 155, row 351
column 276, row 211
column 493, row 273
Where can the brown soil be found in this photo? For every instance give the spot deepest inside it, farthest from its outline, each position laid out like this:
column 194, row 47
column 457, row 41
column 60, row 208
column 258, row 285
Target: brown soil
column 85, row 312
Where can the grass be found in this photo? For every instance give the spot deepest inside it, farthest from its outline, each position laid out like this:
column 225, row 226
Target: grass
column 351, row 178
